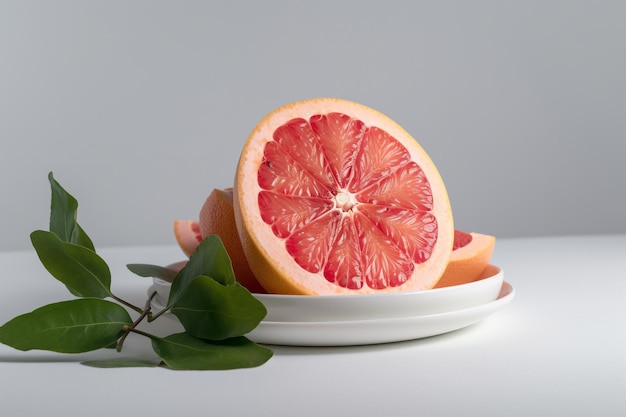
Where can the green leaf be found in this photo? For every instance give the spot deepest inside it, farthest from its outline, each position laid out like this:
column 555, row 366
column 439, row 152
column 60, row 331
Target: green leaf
column 149, row 271
column 83, row 271
column 211, row 259
column 74, row 326
column 63, row 214
column 182, row 351
column 123, row 363
column 210, row 310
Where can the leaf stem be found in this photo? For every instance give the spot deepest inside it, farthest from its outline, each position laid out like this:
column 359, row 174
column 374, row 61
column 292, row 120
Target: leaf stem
column 141, row 332
column 146, row 312
column 152, row 317
column 127, row 304
column 157, row 315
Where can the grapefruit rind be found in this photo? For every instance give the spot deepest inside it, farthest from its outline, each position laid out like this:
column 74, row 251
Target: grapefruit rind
column 468, row 262
column 273, row 267
column 217, row 217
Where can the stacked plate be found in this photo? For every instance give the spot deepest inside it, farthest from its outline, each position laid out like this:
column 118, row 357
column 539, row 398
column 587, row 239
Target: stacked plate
column 343, row 320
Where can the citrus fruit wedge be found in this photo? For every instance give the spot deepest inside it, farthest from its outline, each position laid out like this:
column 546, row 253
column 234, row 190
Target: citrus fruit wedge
column 187, row 233
column 217, row 217
column 471, row 253
column 333, row 197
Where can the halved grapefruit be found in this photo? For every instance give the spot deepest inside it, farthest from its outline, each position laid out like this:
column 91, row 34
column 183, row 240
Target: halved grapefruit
column 217, row 217
column 333, row 197
column 471, row 253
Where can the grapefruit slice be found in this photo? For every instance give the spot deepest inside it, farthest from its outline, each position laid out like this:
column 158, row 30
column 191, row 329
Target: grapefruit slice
column 333, row 197
column 187, row 233
column 471, row 253
column 217, row 217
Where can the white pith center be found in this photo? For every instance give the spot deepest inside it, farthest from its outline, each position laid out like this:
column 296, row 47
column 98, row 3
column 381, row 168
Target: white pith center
column 345, row 200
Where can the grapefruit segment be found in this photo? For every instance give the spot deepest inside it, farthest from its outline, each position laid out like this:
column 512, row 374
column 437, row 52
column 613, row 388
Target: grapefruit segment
column 332, row 197
column 380, row 154
column 413, row 231
column 187, row 233
column 287, row 214
column 279, row 170
column 217, row 217
column 339, row 137
column 344, row 266
column 470, row 256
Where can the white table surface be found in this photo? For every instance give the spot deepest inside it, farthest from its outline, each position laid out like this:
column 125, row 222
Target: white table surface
column 559, row 349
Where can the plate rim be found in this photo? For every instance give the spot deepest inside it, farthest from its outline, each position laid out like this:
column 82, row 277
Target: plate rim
column 501, row 299
column 476, row 313
column 454, row 320
column 341, row 307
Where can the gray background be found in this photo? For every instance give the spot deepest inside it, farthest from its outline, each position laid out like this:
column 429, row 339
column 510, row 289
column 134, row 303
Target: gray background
column 141, row 107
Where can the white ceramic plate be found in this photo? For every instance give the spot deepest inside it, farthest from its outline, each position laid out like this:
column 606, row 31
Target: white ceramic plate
column 364, row 332
column 345, row 308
